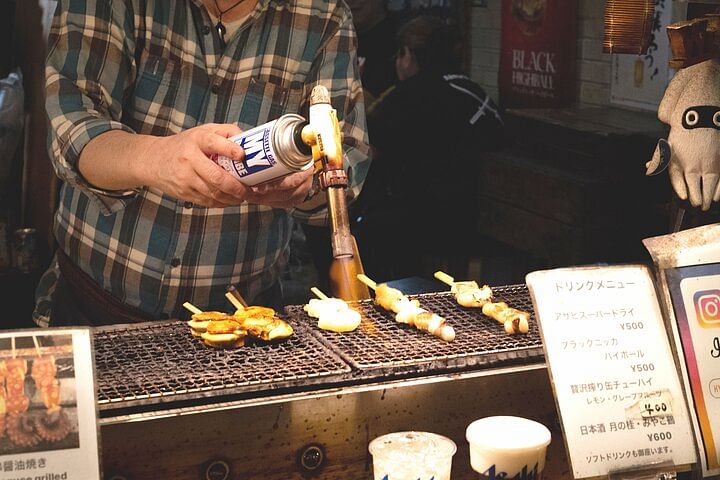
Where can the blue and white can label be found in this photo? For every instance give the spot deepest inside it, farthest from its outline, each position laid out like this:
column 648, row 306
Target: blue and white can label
column 263, row 161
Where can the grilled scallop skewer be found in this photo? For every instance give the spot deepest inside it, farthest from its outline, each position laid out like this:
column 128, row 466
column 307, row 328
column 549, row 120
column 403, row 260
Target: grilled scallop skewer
column 333, row 314
column 467, row 294
column 514, row 320
column 409, row 311
column 222, row 330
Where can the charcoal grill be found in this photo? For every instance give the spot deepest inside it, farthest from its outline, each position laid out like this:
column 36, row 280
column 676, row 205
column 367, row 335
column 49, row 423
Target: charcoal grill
column 383, row 347
column 149, row 364
column 173, row 408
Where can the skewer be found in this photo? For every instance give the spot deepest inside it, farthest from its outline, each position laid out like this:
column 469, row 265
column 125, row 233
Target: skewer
column 191, row 307
column 318, row 293
column 468, row 294
column 407, row 312
column 232, row 290
column 37, row 346
column 236, row 303
column 445, row 278
column 12, row 344
column 367, row 281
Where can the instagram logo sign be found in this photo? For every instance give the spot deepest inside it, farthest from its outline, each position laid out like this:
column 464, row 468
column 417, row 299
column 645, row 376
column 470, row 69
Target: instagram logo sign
column 707, row 307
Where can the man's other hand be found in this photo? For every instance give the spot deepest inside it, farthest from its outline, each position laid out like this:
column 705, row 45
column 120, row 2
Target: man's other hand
column 286, row 192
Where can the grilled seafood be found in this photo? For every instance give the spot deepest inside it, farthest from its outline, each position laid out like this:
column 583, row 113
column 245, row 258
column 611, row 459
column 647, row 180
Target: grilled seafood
column 409, row 311
column 469, row 293
column 513, row 320
column 333, row 314
column 223, row 330
column 199, row 321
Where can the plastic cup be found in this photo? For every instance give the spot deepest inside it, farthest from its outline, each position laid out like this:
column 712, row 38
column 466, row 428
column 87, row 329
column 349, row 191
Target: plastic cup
column 508, row 447
column 412, row 456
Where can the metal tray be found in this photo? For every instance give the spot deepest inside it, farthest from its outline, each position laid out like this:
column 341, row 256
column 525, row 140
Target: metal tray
column 383, row 347
column 147, row 364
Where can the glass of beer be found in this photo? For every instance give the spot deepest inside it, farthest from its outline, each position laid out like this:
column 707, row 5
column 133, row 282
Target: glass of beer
column 508, row 447
column 412, row 456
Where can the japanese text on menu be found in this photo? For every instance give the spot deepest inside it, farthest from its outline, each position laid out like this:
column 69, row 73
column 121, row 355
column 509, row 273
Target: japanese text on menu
column 616, row 385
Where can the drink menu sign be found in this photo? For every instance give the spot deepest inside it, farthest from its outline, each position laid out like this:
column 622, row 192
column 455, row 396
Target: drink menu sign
column 537, row 53
column 617, row 390
column 48, row 405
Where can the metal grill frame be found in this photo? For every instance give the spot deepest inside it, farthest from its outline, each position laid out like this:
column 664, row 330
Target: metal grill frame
column 146, row 366
column 401, row 350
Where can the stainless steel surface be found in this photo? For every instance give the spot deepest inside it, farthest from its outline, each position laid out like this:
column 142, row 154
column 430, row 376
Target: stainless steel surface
column 265, row 441
column 383, row 347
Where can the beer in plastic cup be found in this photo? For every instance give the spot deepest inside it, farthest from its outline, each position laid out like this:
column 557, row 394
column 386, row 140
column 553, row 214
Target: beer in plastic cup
column 507, row 447
column 412, row 456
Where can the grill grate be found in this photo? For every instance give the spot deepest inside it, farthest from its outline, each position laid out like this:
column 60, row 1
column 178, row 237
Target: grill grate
column 382, row 346
column 154, row 363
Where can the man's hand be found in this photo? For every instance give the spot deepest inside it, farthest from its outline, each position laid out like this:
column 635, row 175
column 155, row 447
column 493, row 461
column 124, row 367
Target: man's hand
column 285, row 192
column 180, row 165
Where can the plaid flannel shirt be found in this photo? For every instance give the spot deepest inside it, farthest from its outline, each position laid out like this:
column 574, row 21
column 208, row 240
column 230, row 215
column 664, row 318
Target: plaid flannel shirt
column 156, row 67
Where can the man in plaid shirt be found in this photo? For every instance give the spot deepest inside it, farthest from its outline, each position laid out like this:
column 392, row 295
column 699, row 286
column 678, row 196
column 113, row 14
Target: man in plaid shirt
column 140, row 93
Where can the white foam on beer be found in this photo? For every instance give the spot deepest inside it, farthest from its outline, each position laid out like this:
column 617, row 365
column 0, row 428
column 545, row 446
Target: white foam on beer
column 507, row 433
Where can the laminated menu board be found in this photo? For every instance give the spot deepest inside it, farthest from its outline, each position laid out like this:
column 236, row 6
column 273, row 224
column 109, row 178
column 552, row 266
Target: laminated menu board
column 48, row 414
column 617, row 389
column 689, row 263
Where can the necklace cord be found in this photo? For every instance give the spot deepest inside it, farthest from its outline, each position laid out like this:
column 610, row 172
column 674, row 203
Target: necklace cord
column 223, row 12
column 219, row 26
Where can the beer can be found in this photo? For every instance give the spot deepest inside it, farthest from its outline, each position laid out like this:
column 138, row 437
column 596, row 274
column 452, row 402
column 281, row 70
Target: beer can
column 272, row 150
column 24, row 249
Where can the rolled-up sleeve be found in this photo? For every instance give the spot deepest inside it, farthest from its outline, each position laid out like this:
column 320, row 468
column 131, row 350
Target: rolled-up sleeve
column 89, row 68
column 336, row 67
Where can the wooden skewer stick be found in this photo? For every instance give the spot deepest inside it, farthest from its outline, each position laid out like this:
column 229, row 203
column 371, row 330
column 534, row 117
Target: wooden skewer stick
column 192, row 307
column 367, row 281
column 445, row 278
column 37, row 346
column 236, row 303
column 318, row 293
column 234, row 292
column 12, row 344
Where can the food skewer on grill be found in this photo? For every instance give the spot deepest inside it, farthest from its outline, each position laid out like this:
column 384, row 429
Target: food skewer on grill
column 233, row 291
column 333, row 314
column 468, row 294
column 222, row 330
column 409, row 311
column 513, row 320
column 263, row 323
column 239, row 306
column 216, row 329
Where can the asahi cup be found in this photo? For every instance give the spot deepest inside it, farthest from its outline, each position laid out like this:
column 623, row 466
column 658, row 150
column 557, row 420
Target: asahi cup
column 412, row 456
column 507, row 447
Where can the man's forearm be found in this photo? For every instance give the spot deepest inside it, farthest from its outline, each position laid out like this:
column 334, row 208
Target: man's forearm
column 117, row 160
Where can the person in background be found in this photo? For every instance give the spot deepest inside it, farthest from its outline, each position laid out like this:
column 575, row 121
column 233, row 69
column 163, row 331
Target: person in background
column 140, row 95
column 376, row 46
column 427, row 135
